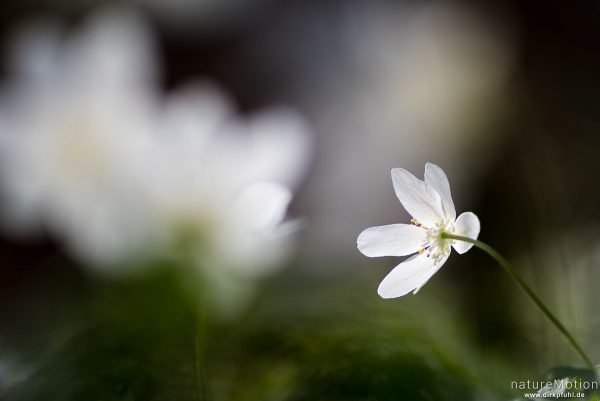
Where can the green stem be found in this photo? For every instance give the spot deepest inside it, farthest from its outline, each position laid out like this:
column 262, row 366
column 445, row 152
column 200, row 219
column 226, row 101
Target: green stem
column 525, row 287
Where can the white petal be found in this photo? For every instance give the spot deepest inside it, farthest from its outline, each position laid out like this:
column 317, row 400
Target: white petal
column 406, row 277
column 418, row 198
column 263, row 205
column 467, row 224
column 272, row 146
column 436, row 179
column 433, row 270
column 280, row 146
column 115, row 48
column 194, row 114
column 392, row 240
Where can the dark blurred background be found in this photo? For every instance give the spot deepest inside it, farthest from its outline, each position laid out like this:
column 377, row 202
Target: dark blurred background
column 503, row 95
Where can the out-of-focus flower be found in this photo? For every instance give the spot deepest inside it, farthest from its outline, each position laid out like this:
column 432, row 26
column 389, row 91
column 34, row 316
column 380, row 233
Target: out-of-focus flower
column 430, row 204
column 91, row 152
column 232, row 180
column 77, row 127
column 221, row 187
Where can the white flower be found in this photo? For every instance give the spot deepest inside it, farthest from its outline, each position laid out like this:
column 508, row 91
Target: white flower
column 78, row 123
column 229, row 180
column 430, row 204
column 91, row 152
column 222, row 185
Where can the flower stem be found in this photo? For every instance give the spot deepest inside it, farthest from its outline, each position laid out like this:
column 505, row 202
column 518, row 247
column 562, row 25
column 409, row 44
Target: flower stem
column 525, row 287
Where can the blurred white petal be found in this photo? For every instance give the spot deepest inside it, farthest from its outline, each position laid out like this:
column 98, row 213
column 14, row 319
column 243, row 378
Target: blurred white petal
column 195, row 113
column 115, row 47
column 280, row 146
column 262, row 206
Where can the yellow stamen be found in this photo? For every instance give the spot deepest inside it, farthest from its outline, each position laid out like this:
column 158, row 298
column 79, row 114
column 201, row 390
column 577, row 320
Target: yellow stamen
column 421, row 250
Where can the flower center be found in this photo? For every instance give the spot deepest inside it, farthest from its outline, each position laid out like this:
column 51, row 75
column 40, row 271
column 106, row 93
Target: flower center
column 436, row 246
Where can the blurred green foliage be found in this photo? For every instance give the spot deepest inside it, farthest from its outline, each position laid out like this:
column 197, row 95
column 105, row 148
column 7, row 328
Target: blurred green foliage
column 146, row 338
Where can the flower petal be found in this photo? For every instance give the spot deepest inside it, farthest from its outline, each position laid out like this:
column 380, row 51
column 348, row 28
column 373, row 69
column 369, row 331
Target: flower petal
column 434, row 270
column 467, row 224
column 279, row 146
column 436, row 179
column 392, row 240
column 263, row 205
column 406, row 277
column 418, row 198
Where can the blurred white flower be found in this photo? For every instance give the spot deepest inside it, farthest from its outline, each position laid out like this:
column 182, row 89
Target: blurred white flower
column 430, row 204
column 221, row 188
column 229, row 176
column 78, row 117
column 91, row 152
